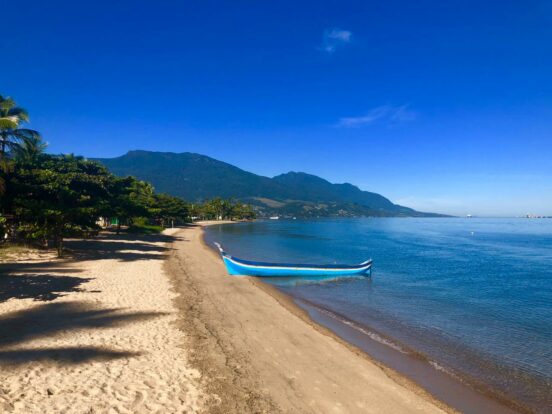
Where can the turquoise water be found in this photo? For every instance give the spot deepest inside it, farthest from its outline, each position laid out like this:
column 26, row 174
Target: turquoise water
column 473, row 296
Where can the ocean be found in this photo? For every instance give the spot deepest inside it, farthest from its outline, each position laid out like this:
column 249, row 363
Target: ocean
column 469, row 298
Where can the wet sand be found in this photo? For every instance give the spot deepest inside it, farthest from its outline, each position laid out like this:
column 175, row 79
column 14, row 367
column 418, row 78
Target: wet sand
column 259, row 352
column 375, row 337
column 444, row 385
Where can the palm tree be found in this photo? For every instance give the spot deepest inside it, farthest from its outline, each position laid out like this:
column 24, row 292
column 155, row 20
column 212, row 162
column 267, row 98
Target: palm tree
column 11, row 117
column 30, row 149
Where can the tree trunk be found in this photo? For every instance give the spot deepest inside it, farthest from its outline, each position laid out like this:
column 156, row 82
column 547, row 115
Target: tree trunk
column 60, row 246
column 118, row 226
column 45, row 237
column 59, row 240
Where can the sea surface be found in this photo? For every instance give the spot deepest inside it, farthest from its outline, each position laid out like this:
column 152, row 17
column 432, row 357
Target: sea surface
column 471, row 297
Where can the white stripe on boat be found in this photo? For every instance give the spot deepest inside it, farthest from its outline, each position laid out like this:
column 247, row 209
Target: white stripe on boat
column 330, row 269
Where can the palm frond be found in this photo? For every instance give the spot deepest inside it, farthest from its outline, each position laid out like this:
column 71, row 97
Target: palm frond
column 8, row 122
column 23, row 133
column 11, row 116
column 10, row 146
column 20, row 113
column 30, row 149
column 6, row 104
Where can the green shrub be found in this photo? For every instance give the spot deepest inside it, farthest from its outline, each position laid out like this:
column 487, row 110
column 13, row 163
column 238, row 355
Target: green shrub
column 144, row 229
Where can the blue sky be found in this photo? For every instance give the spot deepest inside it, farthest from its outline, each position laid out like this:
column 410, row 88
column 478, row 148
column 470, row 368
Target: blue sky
column 439, row 105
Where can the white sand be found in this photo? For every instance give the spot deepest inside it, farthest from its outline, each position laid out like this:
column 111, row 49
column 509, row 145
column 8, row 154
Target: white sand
column 112, row 348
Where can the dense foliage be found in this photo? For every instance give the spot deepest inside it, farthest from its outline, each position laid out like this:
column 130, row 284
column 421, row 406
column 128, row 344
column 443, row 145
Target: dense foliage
column 12, row 135
column 222, row 209
column 57, row 197
column 46, row 198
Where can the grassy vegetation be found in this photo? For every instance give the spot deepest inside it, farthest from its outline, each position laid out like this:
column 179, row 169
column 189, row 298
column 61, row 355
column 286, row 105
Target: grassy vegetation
column 144, row 229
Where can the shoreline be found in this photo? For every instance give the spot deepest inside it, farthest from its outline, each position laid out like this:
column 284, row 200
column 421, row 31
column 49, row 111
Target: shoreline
column 413, row 370
column 133, row 323
column 289, row 303
column 407, row 363
column 260, row 352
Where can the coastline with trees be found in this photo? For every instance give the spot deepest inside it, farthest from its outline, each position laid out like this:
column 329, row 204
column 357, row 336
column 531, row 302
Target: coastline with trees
column 139, row 318
column 46, row 198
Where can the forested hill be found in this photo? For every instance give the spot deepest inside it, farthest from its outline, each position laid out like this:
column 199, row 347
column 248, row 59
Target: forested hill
column 196, row 177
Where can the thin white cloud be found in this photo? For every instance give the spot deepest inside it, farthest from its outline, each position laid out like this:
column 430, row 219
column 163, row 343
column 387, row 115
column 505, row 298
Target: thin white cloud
column 334, row 39
column 387, row 113
column 341, row 35
column 403, row 114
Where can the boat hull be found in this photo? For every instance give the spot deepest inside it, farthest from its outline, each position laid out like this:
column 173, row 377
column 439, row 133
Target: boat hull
column 241, row 267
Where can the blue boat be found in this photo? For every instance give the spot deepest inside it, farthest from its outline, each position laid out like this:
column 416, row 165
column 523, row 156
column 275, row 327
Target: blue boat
column 243, row 267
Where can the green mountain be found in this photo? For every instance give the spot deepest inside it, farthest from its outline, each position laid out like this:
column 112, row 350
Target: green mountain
column 196, row 177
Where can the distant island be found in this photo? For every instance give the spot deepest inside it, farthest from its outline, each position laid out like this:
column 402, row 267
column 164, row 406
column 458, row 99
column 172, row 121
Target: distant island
column 197, row 177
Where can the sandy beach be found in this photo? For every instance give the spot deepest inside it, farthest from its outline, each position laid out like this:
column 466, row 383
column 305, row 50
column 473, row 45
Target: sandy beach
column 154, row 324
column 94, row 333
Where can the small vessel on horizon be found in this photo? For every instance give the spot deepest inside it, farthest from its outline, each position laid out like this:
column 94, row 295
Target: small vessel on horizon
column 274, row 218
column 242, row 267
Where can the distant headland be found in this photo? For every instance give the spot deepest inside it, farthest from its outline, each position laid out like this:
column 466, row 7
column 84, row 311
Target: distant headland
column 197, row 177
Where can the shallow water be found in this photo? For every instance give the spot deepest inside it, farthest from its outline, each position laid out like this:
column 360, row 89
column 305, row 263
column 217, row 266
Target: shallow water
column 472, row 296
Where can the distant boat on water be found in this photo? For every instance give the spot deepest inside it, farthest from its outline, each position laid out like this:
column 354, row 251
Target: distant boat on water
column 274, row 218
column 243, row 267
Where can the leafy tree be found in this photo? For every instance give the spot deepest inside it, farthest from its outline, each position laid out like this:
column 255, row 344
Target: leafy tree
column 62, row 197
column 26, row 155
column 218, row 208
column 223, row 209
column 215, row 208
column 171, row 209
column 128, row 198
column 196, row 211
column 242, row 211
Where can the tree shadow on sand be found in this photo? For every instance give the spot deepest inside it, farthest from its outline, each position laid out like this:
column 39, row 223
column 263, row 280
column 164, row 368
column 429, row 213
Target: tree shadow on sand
column 53, row 318
column 43, row 287
column 62, row 355
column 47, row 280
column 122, row 247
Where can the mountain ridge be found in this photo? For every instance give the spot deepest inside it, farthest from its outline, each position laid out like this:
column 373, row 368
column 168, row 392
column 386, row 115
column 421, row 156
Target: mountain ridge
column 196, row 177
